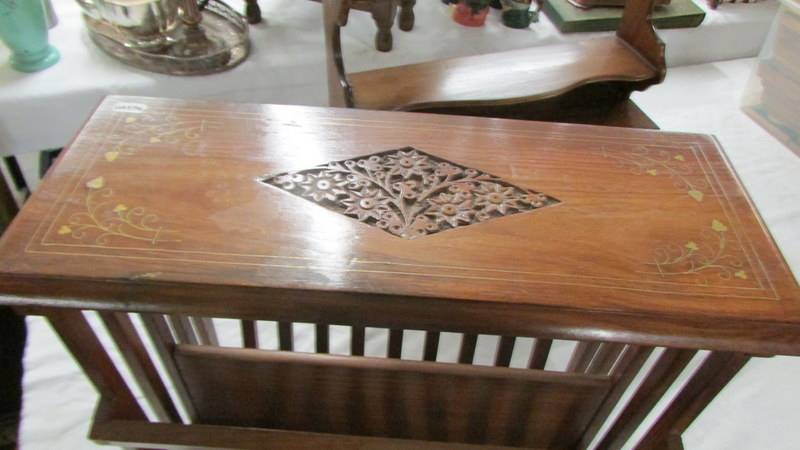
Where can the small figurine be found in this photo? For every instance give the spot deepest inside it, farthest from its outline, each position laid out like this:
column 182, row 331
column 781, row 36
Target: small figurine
column 471, row 13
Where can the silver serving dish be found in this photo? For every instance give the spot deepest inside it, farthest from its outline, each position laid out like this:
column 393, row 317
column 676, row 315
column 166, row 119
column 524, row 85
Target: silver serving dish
column 168, row 36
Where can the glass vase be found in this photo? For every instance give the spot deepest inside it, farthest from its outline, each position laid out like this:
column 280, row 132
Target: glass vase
column 23, row 28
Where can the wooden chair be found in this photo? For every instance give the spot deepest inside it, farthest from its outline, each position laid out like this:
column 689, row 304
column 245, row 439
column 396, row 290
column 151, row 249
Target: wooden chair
column 584, row 82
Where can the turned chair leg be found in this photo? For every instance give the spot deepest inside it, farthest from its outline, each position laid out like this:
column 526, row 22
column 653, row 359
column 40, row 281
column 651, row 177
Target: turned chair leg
column 406, row 22
column 252, row 11
column 383, row 12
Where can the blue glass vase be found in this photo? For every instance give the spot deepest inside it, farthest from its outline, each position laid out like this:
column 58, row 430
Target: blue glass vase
column 23, row 28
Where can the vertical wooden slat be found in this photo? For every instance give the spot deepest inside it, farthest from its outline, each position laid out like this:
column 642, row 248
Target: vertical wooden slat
column 206, row 333
column 467, row 352
column 666, row 369
column 395, row 347
column 540, row 353
column 479, row 410
column 505, row 348
column 249, row 334
column 395, row 405
column 183, row 329
column 285, row 336
column 605, row 358
column 133, row 351
column 582, row 356
column 631, row 361
column 357, row 341
column 357, row 409
column 163, row 342
column 431, row 346
column 80, row 340
column 321, row 331
column 714, row 374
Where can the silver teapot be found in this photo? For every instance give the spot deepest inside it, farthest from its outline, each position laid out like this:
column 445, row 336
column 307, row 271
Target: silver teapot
column 141, row 24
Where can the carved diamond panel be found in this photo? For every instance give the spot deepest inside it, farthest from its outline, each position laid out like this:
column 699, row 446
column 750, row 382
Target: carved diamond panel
column 409, row 193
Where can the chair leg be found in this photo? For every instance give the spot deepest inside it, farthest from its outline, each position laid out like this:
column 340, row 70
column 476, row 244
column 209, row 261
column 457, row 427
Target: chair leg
column 383, row 13
column 406, row 21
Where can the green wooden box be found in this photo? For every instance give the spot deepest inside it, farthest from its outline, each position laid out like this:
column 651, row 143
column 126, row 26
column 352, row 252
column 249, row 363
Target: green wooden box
column 568, row 18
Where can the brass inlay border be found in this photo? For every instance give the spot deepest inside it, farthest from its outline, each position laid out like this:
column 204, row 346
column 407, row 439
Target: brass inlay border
column 89, row 161
column 389, row 272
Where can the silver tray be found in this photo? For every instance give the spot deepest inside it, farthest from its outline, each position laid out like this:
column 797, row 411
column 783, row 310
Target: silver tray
column 221, row 24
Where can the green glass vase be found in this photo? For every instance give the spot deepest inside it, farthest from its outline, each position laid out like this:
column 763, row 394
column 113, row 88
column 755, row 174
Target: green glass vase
column 23, row 28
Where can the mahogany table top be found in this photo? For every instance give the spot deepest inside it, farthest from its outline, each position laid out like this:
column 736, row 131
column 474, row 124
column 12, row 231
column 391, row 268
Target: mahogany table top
column 304, row 213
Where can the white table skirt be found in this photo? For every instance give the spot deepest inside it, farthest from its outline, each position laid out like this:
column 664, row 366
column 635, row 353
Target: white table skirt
column 44, row 110
column 758, row 410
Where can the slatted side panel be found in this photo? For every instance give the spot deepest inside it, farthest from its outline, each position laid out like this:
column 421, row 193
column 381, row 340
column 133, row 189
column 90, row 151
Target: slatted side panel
column 389, row 397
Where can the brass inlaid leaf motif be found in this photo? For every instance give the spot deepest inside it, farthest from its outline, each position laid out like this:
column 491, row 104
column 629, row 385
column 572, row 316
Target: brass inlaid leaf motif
column 654, row 162
column 185, row 134
column 409, row 193
column 709, row 254
column 103, row 219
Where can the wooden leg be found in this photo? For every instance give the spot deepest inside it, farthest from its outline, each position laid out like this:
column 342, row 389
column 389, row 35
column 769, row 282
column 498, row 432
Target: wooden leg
column 132, row 349
column 631, row 361
column 406, row 22
column 252, row 11
column 79, row 338
column 666, row 369
column 714, row 374
column 383, row 12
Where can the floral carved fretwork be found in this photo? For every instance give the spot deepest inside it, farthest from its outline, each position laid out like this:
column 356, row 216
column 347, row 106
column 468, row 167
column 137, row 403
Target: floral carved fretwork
column 409, row 193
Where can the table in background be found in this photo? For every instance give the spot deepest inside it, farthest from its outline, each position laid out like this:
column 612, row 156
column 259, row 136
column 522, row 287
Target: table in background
column 287, row 65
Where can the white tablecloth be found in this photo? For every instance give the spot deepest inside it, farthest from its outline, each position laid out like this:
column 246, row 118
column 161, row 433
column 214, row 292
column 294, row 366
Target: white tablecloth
column 758, row 410
column 44, row 110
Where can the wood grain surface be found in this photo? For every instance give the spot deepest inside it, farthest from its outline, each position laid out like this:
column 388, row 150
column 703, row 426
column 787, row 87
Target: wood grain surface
column 158, row 206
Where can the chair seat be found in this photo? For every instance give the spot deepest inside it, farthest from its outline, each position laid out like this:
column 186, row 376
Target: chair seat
column 510, row 77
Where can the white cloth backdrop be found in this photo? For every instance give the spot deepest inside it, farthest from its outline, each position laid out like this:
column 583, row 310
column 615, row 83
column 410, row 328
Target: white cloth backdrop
column 758, row 410
column 44, row 110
